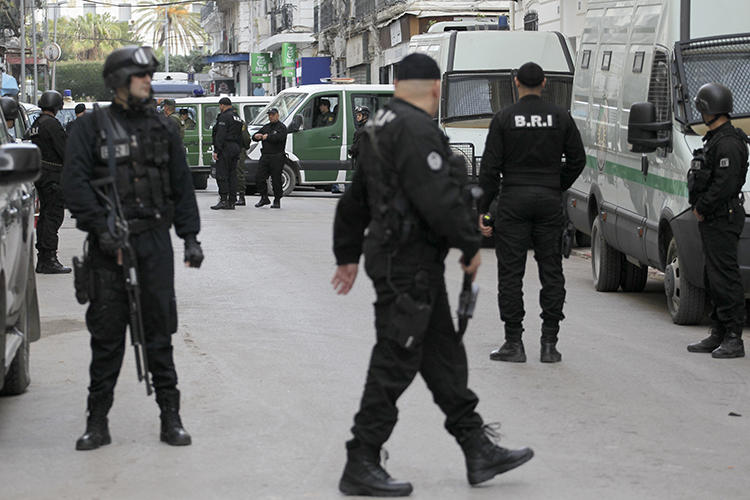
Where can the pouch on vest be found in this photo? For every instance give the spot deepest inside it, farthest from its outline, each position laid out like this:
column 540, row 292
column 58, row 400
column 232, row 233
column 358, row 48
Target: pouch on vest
column 698, row 177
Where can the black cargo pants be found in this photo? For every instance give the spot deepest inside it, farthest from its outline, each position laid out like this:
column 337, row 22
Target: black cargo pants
column 51, row 210
column 273, row 165
column 529, row 217
column 440, row 357
column 226, row 166
column 108, row 314
column 720, row 235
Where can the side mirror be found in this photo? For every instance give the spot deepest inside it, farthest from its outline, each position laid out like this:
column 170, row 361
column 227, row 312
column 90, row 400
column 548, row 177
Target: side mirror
column 19, row 163
column 296, row 125
column 643, row 128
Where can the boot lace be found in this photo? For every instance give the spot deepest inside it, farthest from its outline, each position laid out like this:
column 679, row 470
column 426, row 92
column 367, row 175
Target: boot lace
column 492, row 431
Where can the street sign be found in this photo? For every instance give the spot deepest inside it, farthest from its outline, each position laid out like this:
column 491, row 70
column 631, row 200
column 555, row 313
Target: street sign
column 52, row 51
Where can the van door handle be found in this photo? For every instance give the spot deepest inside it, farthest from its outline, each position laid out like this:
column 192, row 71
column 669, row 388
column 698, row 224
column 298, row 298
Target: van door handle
column 334, row 137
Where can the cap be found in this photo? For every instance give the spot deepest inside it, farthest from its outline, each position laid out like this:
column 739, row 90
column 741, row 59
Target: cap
column 418, row 67
column 530, row 74
column 225, row 101
column 80, row 108
column 168, row 102
column 272, row 111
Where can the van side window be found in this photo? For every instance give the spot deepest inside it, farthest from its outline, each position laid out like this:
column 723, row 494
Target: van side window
column 606, row 60
column 210, row 112
column 658, row 89
column 585, row 59
column 638, row 62
column 322, row 111
column 372, row 101
column 250, row 111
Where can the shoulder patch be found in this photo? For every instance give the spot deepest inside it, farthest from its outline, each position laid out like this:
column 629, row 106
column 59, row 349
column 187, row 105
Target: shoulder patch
column 435, row 161
column 724, row 162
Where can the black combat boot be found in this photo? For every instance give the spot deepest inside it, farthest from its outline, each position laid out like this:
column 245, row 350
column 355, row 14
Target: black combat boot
column 710, row 343
column 47, row 263
column 512, row 350
column 222, row 203
column 276, row 203
column 240, row 200
column 172, row 431
column 549, row 352
column 731, row 347
column 97, row 428
column 364, row 476
column 485, row 459
column 263, row 202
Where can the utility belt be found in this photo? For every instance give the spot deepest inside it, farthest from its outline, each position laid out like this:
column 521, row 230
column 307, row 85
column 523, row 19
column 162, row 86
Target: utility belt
column 727, row 208
column 425, row 251
column 142, row 222
column 51, row 165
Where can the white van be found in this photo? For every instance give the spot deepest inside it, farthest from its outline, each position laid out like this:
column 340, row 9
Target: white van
column 478, row 66
column 635, row 205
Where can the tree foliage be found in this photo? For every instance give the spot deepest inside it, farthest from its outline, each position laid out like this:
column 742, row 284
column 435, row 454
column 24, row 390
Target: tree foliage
column 84, row 79
column 196, row 59
column 92, row 36
column 185, row 31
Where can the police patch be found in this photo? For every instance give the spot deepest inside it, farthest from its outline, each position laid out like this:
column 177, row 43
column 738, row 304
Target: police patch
column 435, row 161
column 724, row 162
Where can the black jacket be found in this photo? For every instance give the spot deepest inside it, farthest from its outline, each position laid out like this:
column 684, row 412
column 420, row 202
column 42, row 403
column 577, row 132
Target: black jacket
column 80, row 160
column 525, row 144
column 415, row 151
column 49, row 136
column 276, row 142
column 726, row 156
column 227, row 131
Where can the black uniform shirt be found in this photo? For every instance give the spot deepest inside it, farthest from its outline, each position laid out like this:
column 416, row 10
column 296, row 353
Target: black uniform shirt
column 354, row 150
column 276, row 142
column 412, row 145
column 228, row 129
column 525, row 144
column 726, row 156
column 325, row 119
column 49, row 136
column 80, row 158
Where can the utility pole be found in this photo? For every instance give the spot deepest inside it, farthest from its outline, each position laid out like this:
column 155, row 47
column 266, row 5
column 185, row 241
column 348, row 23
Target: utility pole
column 166, row 38
column 23, row 50
column 33, row 49
column 46, row 42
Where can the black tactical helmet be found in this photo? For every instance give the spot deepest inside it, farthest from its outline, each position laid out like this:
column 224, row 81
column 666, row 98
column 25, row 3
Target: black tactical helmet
column 9, row 107
column 362, row 109
column 714, row 99
column 123, row 63
column 51, row 100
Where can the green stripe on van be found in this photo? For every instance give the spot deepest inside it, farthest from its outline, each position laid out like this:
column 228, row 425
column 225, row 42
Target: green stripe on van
column 657, row 182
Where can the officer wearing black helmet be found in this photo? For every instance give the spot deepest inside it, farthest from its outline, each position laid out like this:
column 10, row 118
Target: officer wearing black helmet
column 10, row 112
column 525, row 145
column 404, row 210
column 717, row 205
column 361, row 115
column 49, row 135
column 156, row 191
column 227, row 141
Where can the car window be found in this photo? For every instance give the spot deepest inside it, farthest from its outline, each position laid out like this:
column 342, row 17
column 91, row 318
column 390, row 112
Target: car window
column 314, row 113
column 372, row 101
column 65, row 116
column 250, row 111
column 285, row 103
column 191, row 119
column 210, row 112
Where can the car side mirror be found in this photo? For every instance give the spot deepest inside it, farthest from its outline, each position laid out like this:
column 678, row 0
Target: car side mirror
column 296, row 124
column 19, row 163
column 643, row 128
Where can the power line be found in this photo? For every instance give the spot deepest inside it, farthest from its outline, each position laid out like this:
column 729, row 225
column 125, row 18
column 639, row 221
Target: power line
column 97, row 2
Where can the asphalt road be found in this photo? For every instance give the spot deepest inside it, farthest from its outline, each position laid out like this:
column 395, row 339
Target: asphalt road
column 272, row 364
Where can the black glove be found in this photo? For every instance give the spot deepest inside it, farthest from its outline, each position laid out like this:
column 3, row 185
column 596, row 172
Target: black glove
column 107, row 243
column 193, row 252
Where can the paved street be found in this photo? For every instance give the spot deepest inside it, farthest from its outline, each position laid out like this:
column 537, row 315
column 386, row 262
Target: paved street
column 272, row 363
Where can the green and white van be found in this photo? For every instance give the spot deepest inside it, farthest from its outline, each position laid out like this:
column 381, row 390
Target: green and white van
column 202, row 113
column 634, row 205
column 318, row 156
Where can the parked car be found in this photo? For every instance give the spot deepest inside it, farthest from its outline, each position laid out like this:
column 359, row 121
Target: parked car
column 20, row 165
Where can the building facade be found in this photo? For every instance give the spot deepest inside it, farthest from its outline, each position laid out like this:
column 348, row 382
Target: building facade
column 565, row 16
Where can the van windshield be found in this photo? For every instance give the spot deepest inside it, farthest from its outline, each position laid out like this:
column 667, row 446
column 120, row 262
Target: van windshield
column 468, row 96
column 285, row 103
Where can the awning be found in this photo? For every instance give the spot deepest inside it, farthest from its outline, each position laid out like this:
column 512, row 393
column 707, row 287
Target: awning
column 272, row 43
column 9, row 85
column 228, row 58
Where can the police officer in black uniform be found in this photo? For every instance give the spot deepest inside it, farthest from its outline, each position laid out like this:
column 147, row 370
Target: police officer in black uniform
column 227, row 141
column 361, row 115
column 156, row 190
column 10, row 112
column 326, row 116
column 49, row 135
column 79, row 111
column 272, row 158
column 721, row 218
column 408, row 197
column 525, row 146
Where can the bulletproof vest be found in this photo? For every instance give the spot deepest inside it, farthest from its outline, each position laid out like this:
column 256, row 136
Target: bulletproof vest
column 732, row 132
column 142, row 165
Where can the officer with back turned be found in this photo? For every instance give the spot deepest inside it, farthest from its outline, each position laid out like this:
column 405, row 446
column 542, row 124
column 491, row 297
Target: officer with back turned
column 49, row 135
column 155, row 189
column 227, row 141
column 525, row 145
column 404, row 210
column 717, row 204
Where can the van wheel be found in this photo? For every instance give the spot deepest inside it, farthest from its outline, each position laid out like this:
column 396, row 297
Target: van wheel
column 633, row 278
column 583, row 239
column 18, row 377
column 685, row 301
column 288, row 181
column 200, row 181
column 606, row 262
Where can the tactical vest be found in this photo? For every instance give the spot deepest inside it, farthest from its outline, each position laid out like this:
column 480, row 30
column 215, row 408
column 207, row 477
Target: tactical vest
column 142, row 168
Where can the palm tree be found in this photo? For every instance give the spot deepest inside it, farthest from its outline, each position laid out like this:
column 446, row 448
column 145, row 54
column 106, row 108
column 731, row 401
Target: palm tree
column 185, row 31
column 91, row 36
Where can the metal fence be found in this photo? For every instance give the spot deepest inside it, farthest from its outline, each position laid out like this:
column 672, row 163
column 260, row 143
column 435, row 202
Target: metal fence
column 465, row 150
